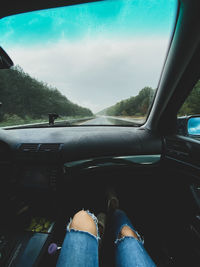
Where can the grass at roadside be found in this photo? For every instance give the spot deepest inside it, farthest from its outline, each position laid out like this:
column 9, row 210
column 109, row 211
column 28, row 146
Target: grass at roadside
column 12, row 120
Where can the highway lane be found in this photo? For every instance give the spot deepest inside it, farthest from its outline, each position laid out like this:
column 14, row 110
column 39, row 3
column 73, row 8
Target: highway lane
column 97, row 121
column 108, row 120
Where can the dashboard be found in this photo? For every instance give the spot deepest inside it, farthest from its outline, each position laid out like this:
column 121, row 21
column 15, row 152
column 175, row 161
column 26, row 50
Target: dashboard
column 76, row 143
column 38, row 158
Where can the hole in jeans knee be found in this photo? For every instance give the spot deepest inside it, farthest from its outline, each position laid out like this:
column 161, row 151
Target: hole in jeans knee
column 82, row 221
column 127, row 231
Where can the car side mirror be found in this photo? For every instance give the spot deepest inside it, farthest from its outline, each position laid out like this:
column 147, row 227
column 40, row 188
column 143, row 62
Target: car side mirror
column 189, row 126
column 193, row 125
column 5, row 61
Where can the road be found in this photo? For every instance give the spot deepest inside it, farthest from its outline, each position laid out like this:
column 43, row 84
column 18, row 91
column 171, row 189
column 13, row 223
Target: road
column 108, row 120
column 98, row 121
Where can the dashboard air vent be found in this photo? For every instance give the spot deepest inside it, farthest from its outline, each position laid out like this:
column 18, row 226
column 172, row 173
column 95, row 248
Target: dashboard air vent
column 29, row 147
column 49, row 147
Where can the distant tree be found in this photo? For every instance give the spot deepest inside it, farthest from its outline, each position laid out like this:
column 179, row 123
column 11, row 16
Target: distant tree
column 135, row 105
column 191, row 105
column 24, row 96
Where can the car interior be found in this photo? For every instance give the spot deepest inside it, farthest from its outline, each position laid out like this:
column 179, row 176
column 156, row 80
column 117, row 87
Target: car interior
column 50, row 173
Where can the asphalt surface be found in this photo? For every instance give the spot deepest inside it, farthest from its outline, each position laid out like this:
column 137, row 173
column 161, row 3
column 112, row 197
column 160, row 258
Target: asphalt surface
column 98, row 121
column 108, row 120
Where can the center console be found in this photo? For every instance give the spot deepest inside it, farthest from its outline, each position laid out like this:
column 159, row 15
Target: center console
column 25, row 248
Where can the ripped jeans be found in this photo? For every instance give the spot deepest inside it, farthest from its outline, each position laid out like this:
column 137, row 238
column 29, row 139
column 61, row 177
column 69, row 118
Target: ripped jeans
column 80, row 249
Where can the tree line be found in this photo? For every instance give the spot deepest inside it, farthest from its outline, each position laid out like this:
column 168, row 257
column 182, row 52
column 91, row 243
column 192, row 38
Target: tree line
column 134, row 106
column 139, row 105
column 25, row 97
column 192, row 104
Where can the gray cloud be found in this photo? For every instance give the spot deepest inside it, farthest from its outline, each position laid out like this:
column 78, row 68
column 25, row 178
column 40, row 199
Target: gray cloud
column 95, row 73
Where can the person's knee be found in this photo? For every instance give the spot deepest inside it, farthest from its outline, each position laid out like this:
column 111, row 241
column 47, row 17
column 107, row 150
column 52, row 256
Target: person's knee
column 82, row 221
column 127, row 231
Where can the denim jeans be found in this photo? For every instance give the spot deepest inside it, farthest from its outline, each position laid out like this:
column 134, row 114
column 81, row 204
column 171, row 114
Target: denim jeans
column 80, row 249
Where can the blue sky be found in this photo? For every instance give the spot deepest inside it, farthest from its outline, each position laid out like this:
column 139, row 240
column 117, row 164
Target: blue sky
column 115, row 17
column 90, row 31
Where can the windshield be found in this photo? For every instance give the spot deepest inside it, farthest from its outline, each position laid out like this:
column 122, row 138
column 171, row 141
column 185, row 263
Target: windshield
column 89, row 64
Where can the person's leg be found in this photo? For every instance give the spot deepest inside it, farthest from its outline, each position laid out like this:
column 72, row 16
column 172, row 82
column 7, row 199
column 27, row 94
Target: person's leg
column 80, row 246
column 129, row 245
